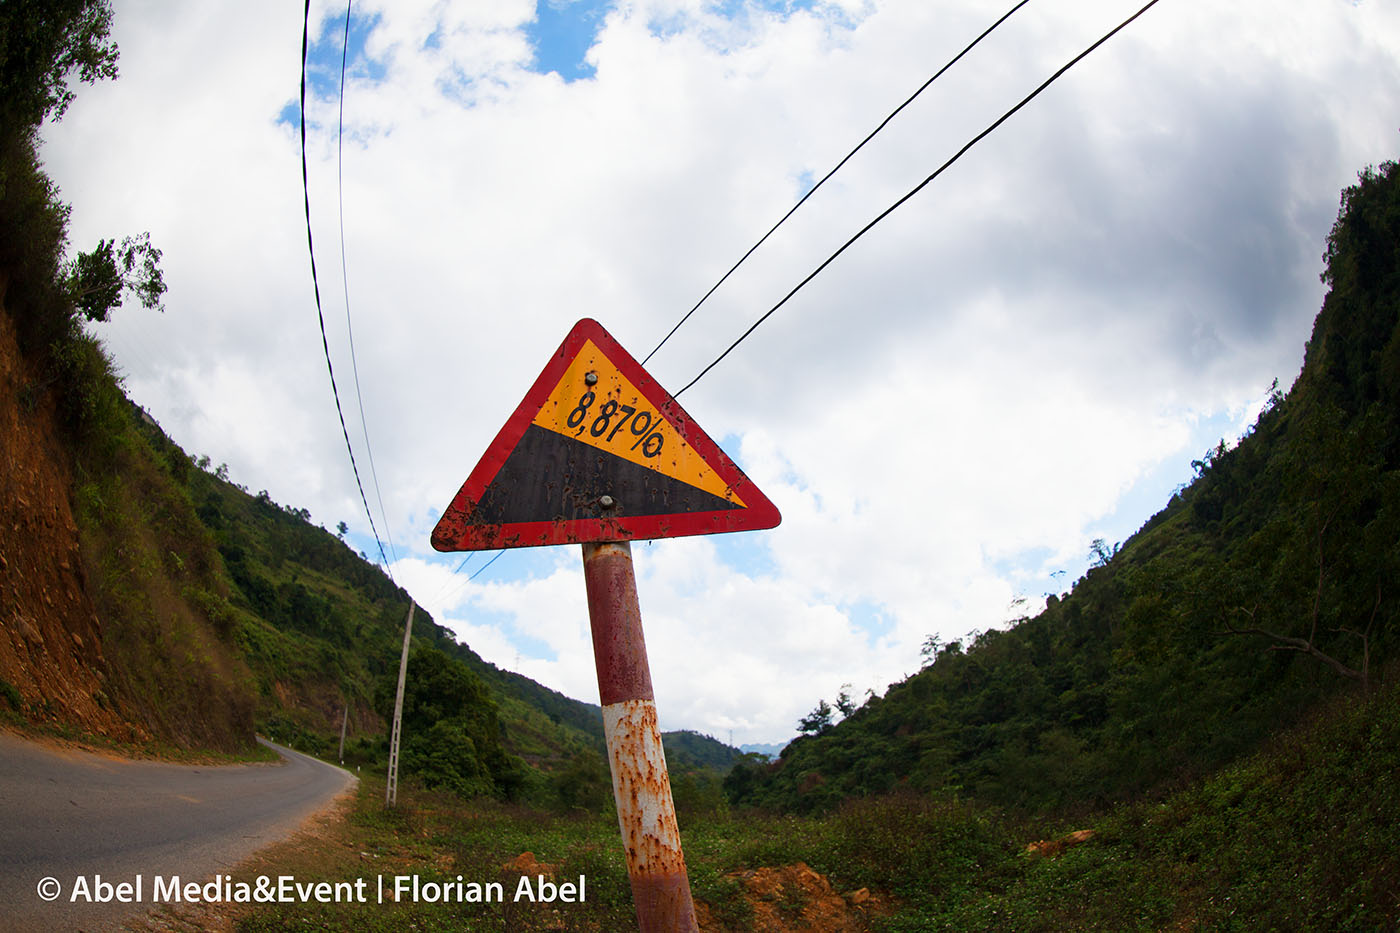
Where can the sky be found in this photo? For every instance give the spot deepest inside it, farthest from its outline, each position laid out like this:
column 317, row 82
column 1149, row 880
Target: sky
column 1025, row 357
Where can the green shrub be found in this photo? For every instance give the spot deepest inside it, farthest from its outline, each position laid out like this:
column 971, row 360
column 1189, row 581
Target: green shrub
column 915, row 846
column 11, row 695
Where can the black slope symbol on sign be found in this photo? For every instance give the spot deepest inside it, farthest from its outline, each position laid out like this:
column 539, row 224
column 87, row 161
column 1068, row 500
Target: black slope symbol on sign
column 598, row 451
column 548, row 474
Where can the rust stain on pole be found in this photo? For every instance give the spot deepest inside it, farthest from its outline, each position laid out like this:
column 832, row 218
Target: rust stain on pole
column 619, row 650
column 646, row 812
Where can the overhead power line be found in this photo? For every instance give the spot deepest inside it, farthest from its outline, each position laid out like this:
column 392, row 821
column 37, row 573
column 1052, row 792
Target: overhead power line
column 345, row 283
column 448, row 587
column 445, row 593
column 813, row 190
column 316, row 286
column 483, row 567
column 917, row 188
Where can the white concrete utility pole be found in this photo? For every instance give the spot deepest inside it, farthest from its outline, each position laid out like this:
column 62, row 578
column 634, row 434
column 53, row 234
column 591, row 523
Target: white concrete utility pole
column 344, row 721
column 391, row 785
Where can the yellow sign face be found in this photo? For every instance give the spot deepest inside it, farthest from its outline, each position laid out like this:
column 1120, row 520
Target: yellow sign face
column 595, row 404
column 599, row 451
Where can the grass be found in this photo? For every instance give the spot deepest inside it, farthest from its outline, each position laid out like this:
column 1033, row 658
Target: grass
column 11, row 695
column 153, row 750
column 1305, row 835
column 156, row 582
column 440, row 839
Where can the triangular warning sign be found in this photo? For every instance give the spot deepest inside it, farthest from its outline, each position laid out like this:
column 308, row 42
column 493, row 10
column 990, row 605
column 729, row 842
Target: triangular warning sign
column 598, row 451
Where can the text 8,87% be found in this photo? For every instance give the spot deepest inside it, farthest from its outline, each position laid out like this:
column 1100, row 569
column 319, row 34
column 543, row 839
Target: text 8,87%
column 606, row 422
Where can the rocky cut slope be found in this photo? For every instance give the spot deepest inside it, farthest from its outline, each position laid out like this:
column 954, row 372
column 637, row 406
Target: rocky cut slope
column 111, row 593
column 50, row 636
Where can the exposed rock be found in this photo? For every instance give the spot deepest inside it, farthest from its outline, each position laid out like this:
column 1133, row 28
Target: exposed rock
column 525, row 864
column 1049, row 848
column 797, row 899
column 52, row 654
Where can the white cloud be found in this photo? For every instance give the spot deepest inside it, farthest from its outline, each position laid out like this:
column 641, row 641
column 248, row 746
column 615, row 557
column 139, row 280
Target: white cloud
column 951, row 410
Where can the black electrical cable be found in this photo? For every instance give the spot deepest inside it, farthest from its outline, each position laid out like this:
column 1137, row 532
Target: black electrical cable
column 813, row 190
column 919, row 187
column 444, row 590
column 483, row 567
column 316, row 286
column 345, row 283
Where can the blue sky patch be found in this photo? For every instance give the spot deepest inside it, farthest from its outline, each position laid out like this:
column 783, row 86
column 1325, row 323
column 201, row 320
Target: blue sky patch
column 562, row 34
column 732, row 10
column 323, row 58
column 806, row 181
column 870, row 617
column 526, row 643
column 1031, row 570
column 746, row 552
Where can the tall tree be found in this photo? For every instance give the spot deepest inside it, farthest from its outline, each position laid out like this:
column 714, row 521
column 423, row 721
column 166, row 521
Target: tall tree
column 103, row 279
column 44, row 43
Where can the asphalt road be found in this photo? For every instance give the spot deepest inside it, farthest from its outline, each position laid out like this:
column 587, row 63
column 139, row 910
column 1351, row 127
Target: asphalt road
column 71, row 815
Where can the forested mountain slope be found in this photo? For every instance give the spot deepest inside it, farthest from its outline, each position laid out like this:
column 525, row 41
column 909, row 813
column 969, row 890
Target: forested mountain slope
column 143, row 595
column 321, row 628
column 1265, row 585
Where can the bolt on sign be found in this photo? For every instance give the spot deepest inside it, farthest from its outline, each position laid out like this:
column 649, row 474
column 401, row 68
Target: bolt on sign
column 598, row 451
column 598, row 454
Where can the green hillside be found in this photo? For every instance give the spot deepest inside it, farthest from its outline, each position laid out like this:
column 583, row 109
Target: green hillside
column 1301, row 835
column 198, row 612
column 1263, row 587
column 1215, row 700
column 689, row 749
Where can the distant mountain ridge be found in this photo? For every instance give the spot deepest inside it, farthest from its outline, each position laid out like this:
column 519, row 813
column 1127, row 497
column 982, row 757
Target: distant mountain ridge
column 301, row 593
column 768, row 749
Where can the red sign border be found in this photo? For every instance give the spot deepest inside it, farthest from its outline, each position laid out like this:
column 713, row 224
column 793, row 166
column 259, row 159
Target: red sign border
column 454, row 532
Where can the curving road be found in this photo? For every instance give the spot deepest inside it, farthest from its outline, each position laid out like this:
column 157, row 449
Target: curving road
column 68, row 815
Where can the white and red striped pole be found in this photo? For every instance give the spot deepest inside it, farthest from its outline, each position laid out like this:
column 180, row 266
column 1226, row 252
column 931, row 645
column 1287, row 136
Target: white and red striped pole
column 646, row 812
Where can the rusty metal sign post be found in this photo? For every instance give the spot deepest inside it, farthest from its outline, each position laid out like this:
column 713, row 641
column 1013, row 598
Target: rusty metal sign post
column 599, row 454
column 646, row 812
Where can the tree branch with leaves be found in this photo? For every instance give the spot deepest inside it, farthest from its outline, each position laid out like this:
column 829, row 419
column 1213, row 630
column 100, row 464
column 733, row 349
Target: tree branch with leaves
column 43, row 43
column 1308, row 645
column 107, row 277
